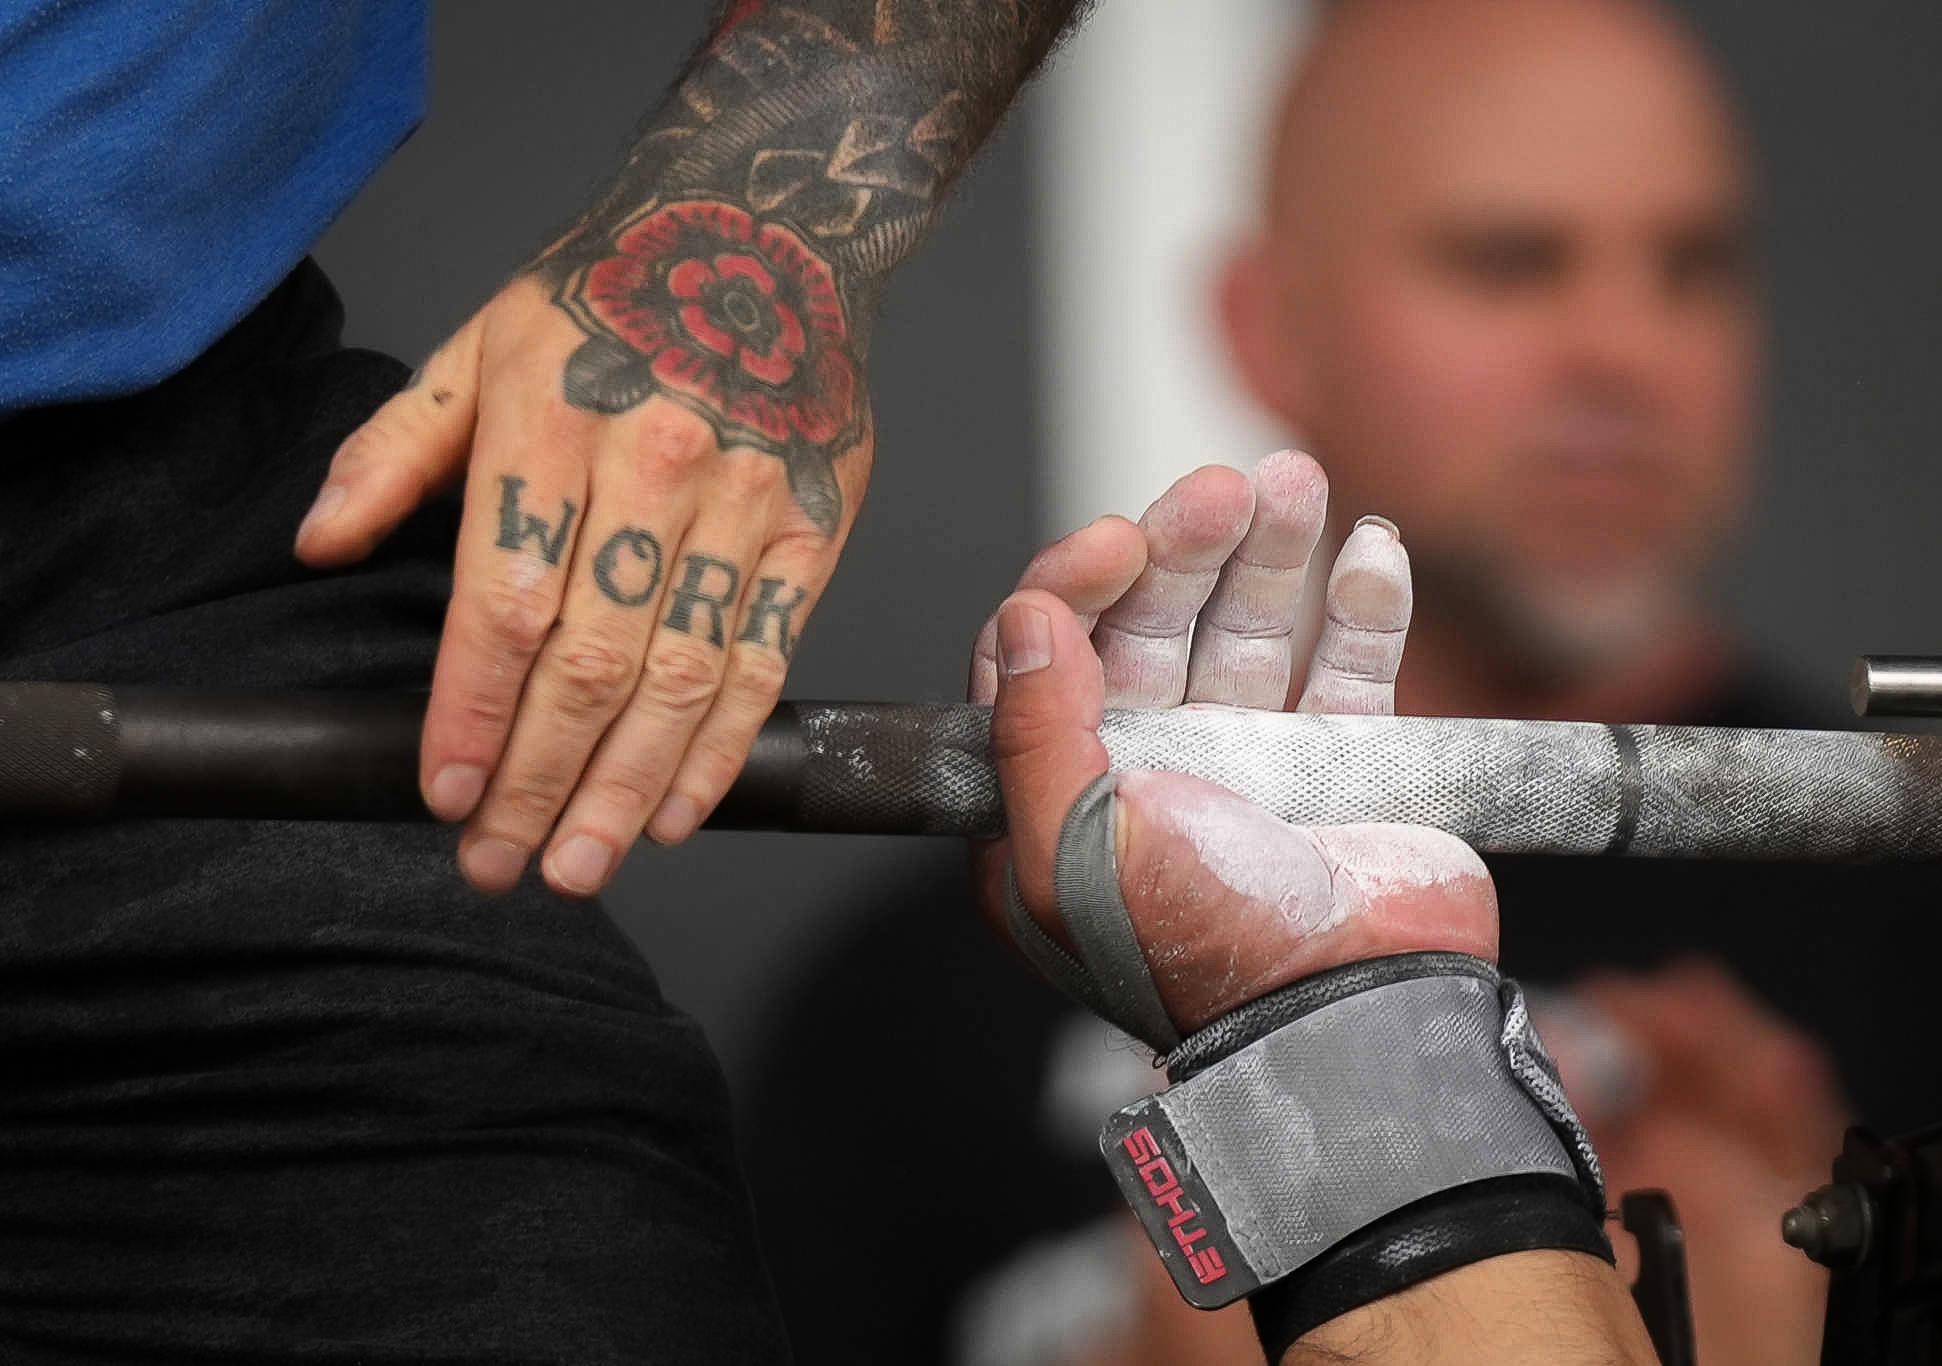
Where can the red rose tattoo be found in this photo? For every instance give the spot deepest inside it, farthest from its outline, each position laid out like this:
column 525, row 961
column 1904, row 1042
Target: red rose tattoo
column 734, row 317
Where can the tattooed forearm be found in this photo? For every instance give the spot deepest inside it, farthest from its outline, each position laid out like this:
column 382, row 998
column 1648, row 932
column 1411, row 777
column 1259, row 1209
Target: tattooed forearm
column 734, row 262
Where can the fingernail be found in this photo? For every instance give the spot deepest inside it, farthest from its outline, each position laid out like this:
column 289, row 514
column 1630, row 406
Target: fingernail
column 1382, row 522
column 1024, row 639
column 675, row 821
column 493, row 865
column 329, row 502
column 455, row 790
column 582, row 863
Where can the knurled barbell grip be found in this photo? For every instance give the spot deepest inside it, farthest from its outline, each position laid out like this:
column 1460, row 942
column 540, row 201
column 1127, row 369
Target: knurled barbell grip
column 60, row 751
column 69, row 751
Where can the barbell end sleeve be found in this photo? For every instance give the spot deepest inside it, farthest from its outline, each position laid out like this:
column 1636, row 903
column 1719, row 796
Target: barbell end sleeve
column 1896, row 685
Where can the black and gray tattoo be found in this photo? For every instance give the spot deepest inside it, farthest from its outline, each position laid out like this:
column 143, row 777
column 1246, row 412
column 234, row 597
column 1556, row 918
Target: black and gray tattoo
column 627, row 570
column 734, row 262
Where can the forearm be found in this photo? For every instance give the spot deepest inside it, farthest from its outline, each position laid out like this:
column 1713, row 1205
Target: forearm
column 815, row 139
column 1525, row 1309
column 845, row 118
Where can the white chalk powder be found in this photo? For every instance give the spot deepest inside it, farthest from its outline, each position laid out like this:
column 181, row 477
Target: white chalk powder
column 526, row 571
column 1313, row 879
column 1252, row 854
column 1369, row 585
column 1386, row 859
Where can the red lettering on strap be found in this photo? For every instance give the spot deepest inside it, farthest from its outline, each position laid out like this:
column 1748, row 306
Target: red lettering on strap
column 1164, row 1186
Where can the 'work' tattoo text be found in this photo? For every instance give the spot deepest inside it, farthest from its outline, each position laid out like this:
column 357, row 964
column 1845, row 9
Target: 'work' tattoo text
column 708, row 585
column 627, row 570
column 640, row 547
column 734, row 262
column 771, row 606
column 518, row 526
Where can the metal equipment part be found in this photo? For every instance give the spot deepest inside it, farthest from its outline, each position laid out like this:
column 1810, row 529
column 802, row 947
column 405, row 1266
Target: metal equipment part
column 1877, row 1226
column 1661, row 1290
column 79, row 751
column 1896, row 685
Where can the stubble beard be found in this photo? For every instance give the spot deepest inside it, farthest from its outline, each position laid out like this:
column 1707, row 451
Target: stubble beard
column 1548, row 632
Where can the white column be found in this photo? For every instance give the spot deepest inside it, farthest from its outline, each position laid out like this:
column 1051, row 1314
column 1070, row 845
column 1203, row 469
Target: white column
column 1148, row 161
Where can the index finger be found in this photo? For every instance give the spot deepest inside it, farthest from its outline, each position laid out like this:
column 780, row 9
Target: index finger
column 1089, row 569
column 523, row 508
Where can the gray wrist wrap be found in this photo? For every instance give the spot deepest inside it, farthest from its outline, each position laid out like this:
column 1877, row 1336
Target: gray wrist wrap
column 1308, row 1116
column 1408, row 1086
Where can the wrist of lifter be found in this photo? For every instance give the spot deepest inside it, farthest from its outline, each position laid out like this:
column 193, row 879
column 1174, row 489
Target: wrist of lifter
column 1357, row 1133
column 1545, row 1308
column 1330, row 1143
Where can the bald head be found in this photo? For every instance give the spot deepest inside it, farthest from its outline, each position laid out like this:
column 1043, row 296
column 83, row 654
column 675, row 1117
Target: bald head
column 1459, row 93
column 1501, row 288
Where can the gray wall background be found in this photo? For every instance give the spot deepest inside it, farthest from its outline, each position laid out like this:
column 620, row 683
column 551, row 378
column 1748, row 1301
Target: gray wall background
column 531, row 103
column 1846, row 107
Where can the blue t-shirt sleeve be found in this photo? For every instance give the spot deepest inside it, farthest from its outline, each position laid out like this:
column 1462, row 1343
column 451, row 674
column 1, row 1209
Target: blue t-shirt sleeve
column 167, row 164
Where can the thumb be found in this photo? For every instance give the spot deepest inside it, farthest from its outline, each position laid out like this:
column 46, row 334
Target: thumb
column 385, row 469
column 1044, row 728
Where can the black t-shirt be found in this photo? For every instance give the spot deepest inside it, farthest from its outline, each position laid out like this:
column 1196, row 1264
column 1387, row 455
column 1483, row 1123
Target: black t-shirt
column 921, row 1053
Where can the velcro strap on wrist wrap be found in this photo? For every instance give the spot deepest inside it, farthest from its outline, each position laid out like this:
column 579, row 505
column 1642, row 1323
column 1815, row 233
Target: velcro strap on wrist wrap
column 1368, row 1090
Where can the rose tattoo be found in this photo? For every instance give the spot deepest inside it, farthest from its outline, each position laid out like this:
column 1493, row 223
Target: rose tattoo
column 735, row 261
column 732, row 316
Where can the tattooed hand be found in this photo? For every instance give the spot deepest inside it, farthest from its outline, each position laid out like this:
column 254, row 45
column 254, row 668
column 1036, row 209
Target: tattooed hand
column 663, row 428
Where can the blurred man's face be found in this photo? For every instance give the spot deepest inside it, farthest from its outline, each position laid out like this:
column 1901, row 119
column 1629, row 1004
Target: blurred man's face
column 1525, row 331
